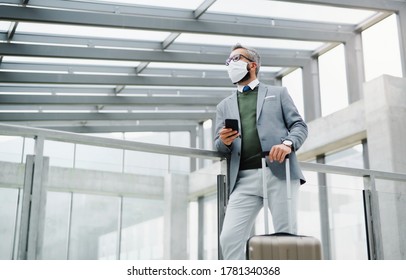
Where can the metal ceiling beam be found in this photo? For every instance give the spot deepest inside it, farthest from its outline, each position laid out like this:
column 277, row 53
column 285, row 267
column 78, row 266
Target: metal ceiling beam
column 105, row 7
column 82, row 41
column 35, row 78
column 137, row 44
column 168, row 24
column 142, row 124
column 159, row 115
column 381, row 5
column 133, row 55
column 8, row 99
column 148, row 91
column 107, row 54
column 114, row 70
column 203, row 8
column 92, row 69
column 96, row 108
column 118, row 128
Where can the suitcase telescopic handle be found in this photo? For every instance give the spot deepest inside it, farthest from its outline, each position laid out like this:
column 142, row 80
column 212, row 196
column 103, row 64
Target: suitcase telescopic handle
column 266, row 153
column 288, row 192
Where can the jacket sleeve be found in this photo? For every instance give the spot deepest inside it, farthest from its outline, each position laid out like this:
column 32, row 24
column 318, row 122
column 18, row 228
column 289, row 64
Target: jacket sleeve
column 296, row 126
column 218, row 144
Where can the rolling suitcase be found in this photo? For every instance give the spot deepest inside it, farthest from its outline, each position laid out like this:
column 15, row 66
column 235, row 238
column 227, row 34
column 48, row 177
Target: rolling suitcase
column 281, row 246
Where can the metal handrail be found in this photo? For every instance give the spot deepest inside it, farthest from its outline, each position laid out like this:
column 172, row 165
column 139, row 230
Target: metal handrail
column 356, row 172
column 16, row 130
column 48, row 134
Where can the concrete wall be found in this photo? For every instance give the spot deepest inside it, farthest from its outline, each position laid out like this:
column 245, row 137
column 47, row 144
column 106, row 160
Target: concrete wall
column 385, row 112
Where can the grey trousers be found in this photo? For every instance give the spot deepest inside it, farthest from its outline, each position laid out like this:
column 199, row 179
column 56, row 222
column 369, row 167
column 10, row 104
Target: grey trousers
column 244, row 205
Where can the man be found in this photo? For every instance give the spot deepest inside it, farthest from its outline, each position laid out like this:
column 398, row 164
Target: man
column 268, row 121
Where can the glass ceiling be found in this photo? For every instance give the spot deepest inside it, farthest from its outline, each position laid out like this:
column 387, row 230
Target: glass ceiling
column 181, row 54
column 263, row 8
column 292, row 11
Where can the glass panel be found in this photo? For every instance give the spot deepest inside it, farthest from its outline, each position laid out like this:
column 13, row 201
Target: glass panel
column 29, row 145
column 68, row 61
column 60, row 153
column 4, row 26
column 56, row 232
column 294, row 11
column 392, row 209
column 99, row 32
column 180, row 164
column 200, row 66
column 8, row 213
column 11, row 181
column 350, row 157
column 94, row 227
column 333, row 81
column 381, row 49
column 193, row 230
column 189, row 4
column 210, row 228
column 223, row 40
column 142, row 228
column 147, row 163
column 98, row 158
column 294, row 83
column 308, row 207
column 347, row 222
column 11, row 148
column 88, row 226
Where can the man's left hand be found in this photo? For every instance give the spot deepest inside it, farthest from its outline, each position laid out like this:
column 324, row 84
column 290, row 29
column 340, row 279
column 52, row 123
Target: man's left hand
column 279, row 152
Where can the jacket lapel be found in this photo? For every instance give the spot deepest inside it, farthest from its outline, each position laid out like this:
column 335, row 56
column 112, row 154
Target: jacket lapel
column 233, row 107
column 262, row 90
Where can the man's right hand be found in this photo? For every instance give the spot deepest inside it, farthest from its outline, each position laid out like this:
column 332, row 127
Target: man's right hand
column 227, row 135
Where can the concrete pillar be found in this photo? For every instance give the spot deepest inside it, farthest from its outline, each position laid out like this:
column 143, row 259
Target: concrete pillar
column 311, row 90
column 355, row 68
column 175, row 217
column 385, row 109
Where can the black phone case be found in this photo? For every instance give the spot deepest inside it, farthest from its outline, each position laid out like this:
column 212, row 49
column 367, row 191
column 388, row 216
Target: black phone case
column 231, row 123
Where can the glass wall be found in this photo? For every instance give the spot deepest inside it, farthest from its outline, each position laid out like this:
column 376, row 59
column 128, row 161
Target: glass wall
column 107, row 203
column 210, row 251
column 333, row 81
column 308, row 206
column 381, row 49
column 294, row 83
column 12, row 155
column 392, row 210
column 100, row 211
column 346, row 212
column 8, row 217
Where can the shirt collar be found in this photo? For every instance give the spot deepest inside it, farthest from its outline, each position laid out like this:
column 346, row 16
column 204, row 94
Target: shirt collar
column 252, row 85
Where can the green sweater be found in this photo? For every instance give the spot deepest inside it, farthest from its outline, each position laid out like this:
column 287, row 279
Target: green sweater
column 251, row 146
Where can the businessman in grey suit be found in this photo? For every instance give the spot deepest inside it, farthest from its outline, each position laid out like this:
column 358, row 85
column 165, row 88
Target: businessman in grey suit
column 268, row 121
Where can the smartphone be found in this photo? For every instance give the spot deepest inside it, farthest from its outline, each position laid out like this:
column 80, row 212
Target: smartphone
column 232, row 123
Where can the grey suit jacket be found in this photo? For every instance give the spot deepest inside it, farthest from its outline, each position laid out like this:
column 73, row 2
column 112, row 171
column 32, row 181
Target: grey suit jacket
column 277, row 120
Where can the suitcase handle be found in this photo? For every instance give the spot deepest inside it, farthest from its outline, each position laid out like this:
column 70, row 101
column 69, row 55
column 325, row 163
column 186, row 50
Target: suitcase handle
column 266, row 153
column 265, row 192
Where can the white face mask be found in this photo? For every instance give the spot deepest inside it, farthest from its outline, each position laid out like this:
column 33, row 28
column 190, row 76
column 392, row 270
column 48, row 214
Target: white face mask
column 237, row 70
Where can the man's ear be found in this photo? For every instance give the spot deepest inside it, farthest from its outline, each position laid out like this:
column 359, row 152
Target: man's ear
column 251, row 65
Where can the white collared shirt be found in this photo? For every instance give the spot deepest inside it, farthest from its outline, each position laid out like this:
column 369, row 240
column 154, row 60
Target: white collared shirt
column 252, row 85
